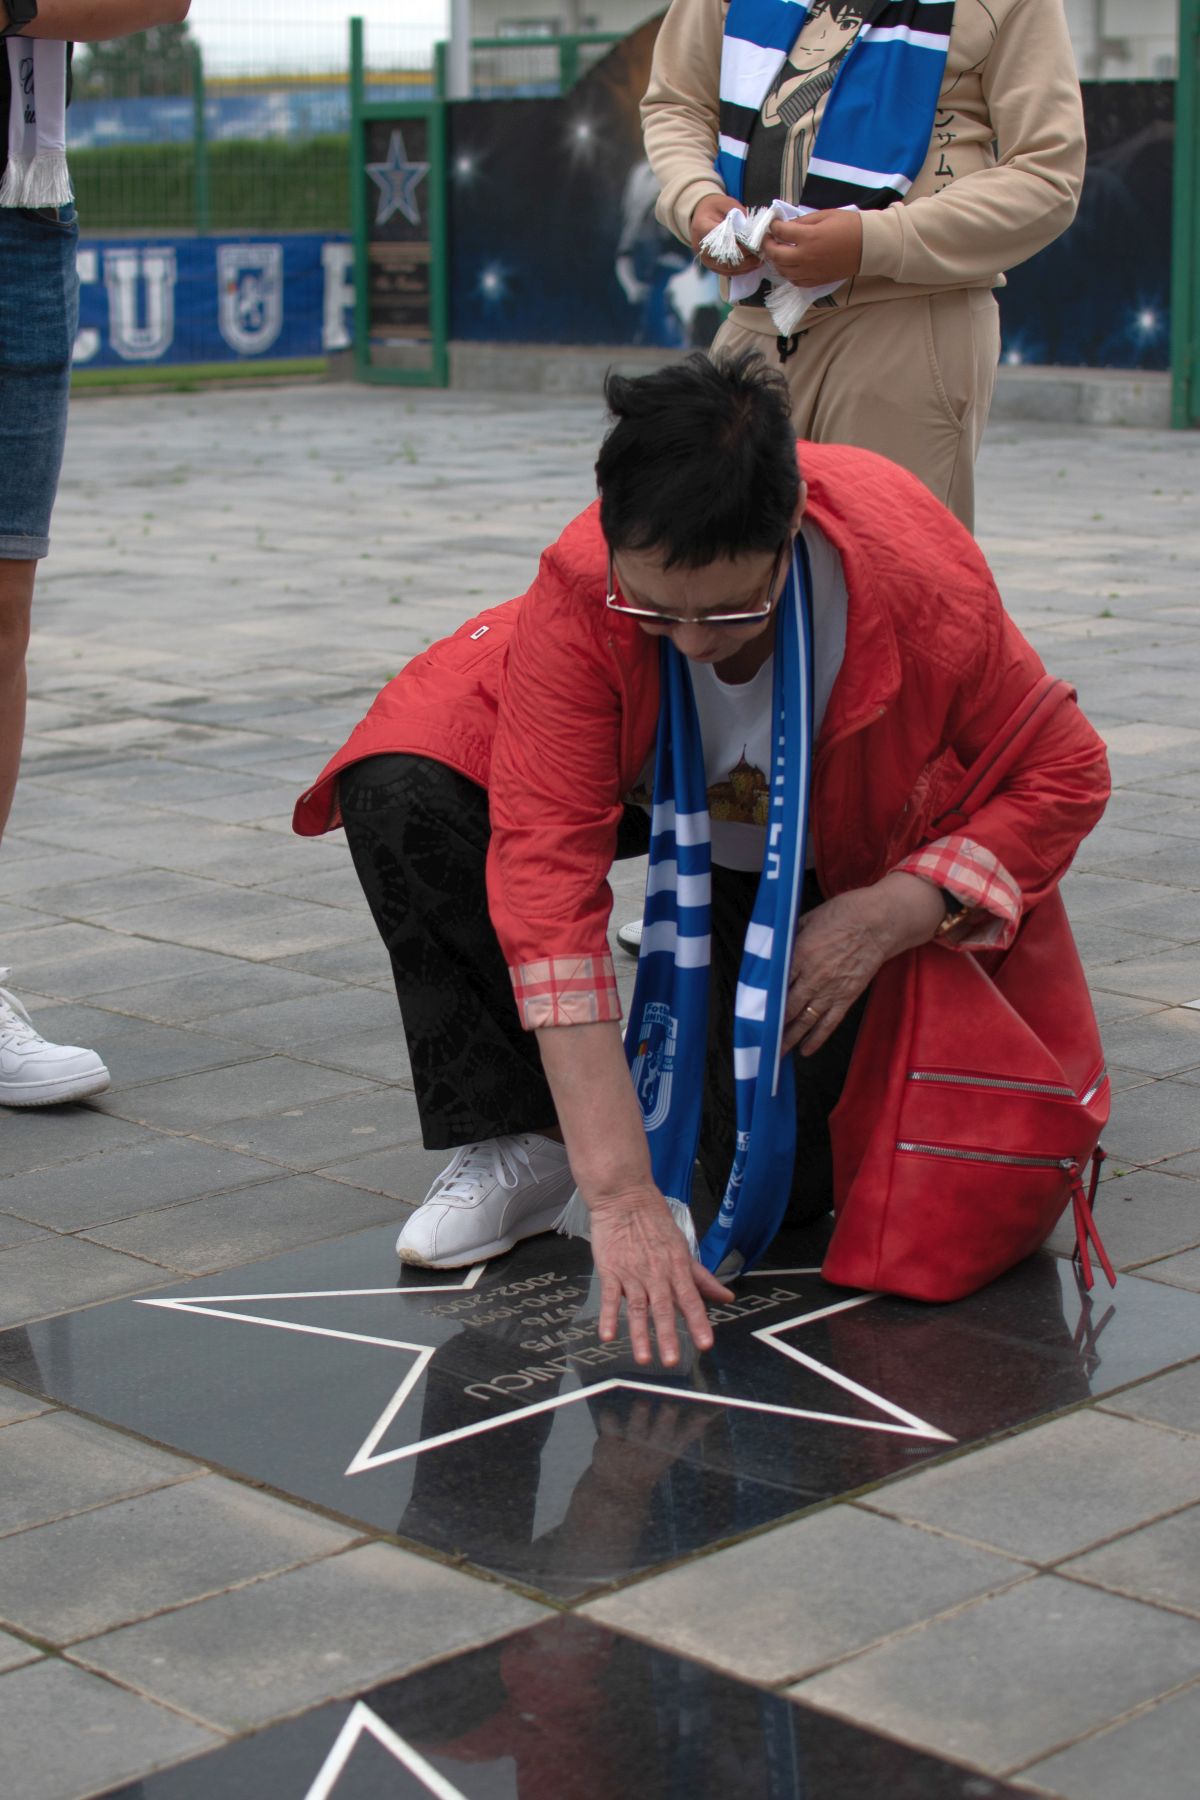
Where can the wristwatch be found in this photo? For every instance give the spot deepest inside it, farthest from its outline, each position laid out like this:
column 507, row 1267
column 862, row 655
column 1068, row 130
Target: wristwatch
column 20, row 14
column 956, row 910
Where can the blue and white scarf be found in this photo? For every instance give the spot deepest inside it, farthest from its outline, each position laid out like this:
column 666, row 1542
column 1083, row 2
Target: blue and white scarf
column 875, row 131
column 36, row 171
column 666, row 1042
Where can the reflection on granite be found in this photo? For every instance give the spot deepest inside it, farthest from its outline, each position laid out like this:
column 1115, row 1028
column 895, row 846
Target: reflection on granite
column 566, row 1710
column 476, row 1412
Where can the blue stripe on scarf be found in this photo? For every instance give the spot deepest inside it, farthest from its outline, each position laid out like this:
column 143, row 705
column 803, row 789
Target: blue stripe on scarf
column 666, row 1039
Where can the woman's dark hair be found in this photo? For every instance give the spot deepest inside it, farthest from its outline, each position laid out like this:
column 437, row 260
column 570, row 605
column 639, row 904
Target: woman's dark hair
column 700, row 461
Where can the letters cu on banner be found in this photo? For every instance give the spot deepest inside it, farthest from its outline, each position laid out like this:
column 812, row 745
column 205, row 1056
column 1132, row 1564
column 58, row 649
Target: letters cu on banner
column 188, row 300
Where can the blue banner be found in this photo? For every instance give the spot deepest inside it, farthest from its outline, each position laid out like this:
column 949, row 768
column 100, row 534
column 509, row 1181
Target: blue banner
column 213, row 299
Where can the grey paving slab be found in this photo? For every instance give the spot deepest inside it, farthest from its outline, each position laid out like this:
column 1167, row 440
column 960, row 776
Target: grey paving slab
column 781, row 1605
column 1013, row 1677
column 1141, row 1215
column 15, row 1405
column 70, row 1733
column 1154, row 1122
column 15, row 1654
column 1160, row 1563
column 56, row 1464
column 264, row 1086
column 56, row 1274
column 362, row 964
column 405, row 1171
column 380, row 1054
column 126, row 1561
column 1153, row 1754
column 242, row 922
column 15, row 1231
column 223, row 985
column 1177, row 1271
column 1054, row 1489
column 114, row 1184
column 219, row 1231
column 1161, row 1042
column 1170, row 1399
column 292, row 1639
column 1172, row 976
column 311, row 1019
column 316, row 1136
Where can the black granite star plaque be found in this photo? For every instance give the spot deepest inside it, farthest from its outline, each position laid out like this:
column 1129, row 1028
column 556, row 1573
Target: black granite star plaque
column 477, row 1413
column 566, row 1710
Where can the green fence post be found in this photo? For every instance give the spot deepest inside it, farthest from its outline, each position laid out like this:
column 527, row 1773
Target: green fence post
column 358, row 211
column 568, row 63
column 201, row 207
column 1185, row 244
column 439, row 69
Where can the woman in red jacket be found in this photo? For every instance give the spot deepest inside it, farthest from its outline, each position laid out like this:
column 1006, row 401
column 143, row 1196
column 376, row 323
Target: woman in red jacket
column 492, row 784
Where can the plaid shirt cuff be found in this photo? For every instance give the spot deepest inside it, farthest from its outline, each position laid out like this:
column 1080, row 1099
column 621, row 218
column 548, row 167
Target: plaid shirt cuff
column 979, row 879
column 566, row 990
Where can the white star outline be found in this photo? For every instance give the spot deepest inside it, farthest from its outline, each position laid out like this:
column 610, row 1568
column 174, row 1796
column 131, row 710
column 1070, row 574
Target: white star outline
column 362, row 1722
column 897, row 1421
column 397, row 180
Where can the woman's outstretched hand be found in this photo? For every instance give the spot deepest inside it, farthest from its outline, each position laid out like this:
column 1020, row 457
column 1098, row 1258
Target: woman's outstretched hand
column 642, row 1258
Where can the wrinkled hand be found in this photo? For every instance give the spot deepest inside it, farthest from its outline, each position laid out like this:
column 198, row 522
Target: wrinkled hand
column 642, row 1257
column 708, row 214
column 841, row 946
column 636, row 1452
column 820, row 247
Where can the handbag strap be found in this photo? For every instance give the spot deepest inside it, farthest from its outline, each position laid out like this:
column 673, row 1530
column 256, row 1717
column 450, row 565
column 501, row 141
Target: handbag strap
column 990, row 767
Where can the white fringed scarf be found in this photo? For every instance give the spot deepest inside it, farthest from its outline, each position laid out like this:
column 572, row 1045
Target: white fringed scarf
column 36, row 174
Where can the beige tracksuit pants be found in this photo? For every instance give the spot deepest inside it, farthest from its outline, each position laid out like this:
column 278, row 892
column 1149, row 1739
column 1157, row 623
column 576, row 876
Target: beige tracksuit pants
column 911, row 378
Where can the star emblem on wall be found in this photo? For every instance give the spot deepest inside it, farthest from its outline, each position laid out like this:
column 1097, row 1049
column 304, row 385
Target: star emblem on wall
column 397, row 179
column 373, row 1453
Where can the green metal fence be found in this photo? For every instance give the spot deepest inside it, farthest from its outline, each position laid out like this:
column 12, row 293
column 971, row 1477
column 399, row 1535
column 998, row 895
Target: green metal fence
column 1185, row 249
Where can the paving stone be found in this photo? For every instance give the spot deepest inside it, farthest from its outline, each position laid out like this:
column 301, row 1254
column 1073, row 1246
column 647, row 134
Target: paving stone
column 15, row 1231
column 1162, row 1043
column 108, row 967
column 382, row 1054
column 39, row 1137
column 126, row 1561
column 268, row 1085
column 69, row 1733
column 319, row 1135
column 135, row 1050
column 1054, row 1489
column 156, row 1171
column 309, row 1020
column 56, row 1274
column 1153, row 1755
column 296, row 1638
column 15, row 1405
column 1160, row 1563
column 1177, row 1271
column 406, row 1172
column 1154, row 1122
column 241, row 922
column 105, row 896
column 14, row 1654
column 224, row 985
column 1172, row 977
column 1014, row 1676
column 56, row 1464
column 781, row 1605
column 219, row 1232
column 1170, row 1399
column 1141, row 1215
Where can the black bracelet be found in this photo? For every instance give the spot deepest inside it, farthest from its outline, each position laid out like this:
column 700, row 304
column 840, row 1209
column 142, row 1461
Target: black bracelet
column 20, row 14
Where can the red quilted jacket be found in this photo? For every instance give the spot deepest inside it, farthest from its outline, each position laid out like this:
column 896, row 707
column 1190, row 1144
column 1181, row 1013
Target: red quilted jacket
column 551, row 702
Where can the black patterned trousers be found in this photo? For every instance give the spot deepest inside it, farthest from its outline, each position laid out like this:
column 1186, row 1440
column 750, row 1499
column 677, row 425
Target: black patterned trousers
column 418, row 833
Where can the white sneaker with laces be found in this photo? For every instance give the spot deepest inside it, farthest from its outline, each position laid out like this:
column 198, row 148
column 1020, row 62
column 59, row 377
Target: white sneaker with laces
column 629, row 936
column 486, row 1199
column 36, row 1073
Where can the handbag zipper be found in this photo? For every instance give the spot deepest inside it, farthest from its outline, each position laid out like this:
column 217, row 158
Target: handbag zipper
column 991, row 1156
column 989, row 1081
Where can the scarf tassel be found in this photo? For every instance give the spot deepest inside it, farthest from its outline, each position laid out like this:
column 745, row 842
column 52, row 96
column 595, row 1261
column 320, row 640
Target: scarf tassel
column 34, row 181
column 576, row 1221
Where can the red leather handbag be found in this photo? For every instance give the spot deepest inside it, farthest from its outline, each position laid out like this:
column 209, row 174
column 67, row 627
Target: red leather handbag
column 976, row 1094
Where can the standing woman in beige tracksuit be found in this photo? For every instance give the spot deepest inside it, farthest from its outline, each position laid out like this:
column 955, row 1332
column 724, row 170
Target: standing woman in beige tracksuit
column 901, row 357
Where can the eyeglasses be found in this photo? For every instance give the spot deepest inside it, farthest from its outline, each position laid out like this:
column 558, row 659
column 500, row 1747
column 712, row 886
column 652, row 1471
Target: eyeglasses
column 647, row 615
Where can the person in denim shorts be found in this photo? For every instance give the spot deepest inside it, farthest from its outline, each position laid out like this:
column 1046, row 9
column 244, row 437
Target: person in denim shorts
column 39, row 308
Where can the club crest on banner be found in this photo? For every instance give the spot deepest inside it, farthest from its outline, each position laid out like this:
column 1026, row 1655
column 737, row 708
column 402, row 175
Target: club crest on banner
column 653, row 1067
column 250, row 289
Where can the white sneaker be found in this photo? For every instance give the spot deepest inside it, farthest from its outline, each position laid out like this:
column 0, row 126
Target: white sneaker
column 35, row 1073
column 629, row 936
column 487, row 1198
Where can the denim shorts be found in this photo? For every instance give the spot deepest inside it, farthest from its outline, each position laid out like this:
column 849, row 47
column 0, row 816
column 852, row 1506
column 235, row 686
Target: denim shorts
column 39, row 316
